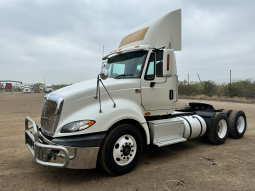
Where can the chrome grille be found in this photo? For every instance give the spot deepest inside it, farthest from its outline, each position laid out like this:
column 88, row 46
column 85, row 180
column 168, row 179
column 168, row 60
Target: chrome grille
column 51, row 111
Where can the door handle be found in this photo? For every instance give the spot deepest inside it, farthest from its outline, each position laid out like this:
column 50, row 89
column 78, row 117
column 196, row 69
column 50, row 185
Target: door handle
column 171, row 94
column 152, row 84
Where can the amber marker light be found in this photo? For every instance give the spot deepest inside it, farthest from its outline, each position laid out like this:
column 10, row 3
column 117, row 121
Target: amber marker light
column 111, row 52
column 137, row 46
column 119, row 50
column 115, row 50
column 147, row 114
column 168, row 62
column 91, row 122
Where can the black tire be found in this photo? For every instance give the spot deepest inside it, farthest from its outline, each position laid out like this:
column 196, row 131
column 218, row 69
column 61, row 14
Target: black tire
column 236, row 131
column 227, row 112
column 106, row 158
column 212, row 132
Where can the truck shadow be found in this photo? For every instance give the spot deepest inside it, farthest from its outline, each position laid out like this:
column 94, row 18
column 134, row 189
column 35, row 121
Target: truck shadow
column 157, row 153
column 151, row 155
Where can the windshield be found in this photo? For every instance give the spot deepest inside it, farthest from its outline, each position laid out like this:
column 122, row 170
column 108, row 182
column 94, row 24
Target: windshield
column 128, row 65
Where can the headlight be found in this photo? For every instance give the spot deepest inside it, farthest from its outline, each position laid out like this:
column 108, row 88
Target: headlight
column 76, row 126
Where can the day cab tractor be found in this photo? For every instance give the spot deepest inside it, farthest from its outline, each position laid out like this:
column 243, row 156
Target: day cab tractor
column 132, row 103
column 27, row 89
column 17, row 86
column 47, row 88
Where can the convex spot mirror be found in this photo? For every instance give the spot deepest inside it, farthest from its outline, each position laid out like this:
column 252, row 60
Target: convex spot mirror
column 104, row 73
column 168, row 63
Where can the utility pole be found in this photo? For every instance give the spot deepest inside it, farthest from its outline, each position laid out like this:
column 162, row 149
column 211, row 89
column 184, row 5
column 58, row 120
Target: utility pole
column 199, row 79
column 188, row 83
column 230, row 83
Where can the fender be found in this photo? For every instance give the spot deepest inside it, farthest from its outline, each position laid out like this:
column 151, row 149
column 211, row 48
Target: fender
column 207, row 116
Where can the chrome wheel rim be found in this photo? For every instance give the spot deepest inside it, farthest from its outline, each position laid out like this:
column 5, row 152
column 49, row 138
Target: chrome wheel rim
column 222, row 128
column 124, row 150
column 240, row 124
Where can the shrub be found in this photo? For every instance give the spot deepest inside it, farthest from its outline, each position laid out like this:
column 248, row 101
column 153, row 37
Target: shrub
column 240, row 88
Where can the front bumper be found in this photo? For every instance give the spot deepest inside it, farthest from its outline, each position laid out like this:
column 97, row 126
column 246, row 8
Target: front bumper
column 48, row 153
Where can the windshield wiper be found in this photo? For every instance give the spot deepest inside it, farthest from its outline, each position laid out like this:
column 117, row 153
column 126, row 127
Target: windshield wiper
column 123, row 75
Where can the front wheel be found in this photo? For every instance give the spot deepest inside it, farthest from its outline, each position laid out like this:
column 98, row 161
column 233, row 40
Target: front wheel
column 121, row 149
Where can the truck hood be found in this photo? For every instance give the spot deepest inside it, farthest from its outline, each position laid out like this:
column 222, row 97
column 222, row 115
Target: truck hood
column 88, row 88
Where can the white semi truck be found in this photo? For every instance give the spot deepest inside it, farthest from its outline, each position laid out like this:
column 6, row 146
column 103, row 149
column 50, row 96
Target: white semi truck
column 107, row 121
column 17, row 86
column 47, row 88
column 27, row 89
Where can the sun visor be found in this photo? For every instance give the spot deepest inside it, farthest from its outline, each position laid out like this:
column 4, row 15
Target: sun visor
column 159, row 32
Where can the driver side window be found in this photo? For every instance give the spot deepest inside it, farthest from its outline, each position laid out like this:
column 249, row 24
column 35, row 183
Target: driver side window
column 159, row 64
column 150, row 72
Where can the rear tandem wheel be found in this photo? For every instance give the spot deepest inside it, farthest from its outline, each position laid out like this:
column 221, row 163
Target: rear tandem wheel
column 227, row 112
column 237, row 123
column 219, row 129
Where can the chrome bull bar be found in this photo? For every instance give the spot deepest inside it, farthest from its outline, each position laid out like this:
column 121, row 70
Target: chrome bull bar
column 38, row 149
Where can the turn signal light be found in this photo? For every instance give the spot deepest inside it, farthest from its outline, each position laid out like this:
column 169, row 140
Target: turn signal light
column 148, row 113
column 115, row 50
column 137, row 46
column 90, row 122
column 119, row 50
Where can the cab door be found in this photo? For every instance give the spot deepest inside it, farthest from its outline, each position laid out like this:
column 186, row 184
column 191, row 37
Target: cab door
column 161, row 95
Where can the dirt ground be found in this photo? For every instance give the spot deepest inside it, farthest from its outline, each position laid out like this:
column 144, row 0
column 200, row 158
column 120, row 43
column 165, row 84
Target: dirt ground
column 200, row 166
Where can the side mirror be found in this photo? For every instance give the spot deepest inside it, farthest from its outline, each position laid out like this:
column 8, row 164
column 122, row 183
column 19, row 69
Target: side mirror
column 168, row 63
column 104, row 73
column 103, row 65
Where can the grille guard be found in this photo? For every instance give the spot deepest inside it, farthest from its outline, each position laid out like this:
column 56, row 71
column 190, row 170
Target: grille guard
column 36, row 148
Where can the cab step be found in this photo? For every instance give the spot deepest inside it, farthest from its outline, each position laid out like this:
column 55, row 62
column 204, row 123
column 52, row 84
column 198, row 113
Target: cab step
column 170, row 142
